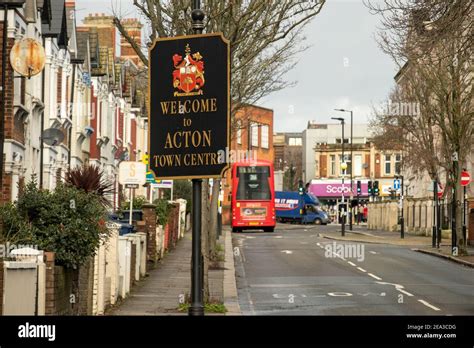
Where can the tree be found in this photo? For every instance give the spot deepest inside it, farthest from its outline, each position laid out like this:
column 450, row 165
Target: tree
column 265, row 38
column 431, row 41
column 91, row 179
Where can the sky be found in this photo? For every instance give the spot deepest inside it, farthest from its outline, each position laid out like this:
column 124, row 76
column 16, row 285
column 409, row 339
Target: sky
column 342, row 68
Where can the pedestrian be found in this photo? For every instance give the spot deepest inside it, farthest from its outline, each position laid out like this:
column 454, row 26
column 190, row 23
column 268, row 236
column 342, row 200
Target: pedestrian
column 366, row 212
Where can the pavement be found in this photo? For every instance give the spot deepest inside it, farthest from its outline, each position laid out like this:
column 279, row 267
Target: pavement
column 297, row 270
column 169, row 284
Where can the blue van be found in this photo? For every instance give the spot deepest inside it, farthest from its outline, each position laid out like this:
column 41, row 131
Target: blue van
column 304, row 209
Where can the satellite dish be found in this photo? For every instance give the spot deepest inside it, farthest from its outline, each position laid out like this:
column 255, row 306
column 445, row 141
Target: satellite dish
column 52, row 136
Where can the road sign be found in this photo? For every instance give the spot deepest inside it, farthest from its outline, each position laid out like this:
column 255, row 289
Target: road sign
column 132, row 173
column 465, row 178
column 163, row 184
column 189, row 114
column 132, row 186
column 27, row 57
column 396, row 184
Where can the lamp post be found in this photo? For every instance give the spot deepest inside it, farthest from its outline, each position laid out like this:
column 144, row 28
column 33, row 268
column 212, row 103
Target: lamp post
column 352, row 166
column 343, row 167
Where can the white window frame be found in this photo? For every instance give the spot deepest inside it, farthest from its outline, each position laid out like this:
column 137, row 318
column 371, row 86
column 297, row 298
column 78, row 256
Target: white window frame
column 265, row 142
column 239, row 132
column 254, row 134
column 385, row 161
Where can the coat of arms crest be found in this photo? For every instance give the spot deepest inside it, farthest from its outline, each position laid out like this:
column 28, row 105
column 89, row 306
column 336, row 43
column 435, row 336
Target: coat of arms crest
column 188, row 76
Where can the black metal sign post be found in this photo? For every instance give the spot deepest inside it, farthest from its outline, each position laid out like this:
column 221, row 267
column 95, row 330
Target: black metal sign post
column 189, row 120
column 197, row 261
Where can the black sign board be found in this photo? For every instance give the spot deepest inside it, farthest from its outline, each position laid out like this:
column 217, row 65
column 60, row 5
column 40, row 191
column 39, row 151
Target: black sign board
column 189, row 114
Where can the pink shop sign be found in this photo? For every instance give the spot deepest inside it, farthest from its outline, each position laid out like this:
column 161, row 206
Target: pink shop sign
column 332, row 189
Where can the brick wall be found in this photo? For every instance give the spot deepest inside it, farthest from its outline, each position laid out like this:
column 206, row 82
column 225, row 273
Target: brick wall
column 50, row 304
column 377, row 165
column 14, row 129
column 85, row 288
column 62, row 283
column 133, row 262
column 149, row 216
column 7, row 185
column 59, row 87
column 367, row 170
column 323, row 166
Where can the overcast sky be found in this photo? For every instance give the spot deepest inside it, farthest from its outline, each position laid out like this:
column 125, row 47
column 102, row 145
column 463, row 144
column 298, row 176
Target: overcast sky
column 343, row 68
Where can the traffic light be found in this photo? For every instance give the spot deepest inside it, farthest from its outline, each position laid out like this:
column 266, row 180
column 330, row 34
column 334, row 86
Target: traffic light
column 359, row 188
column 376, row 188
column 369, row 188
column 300, row 187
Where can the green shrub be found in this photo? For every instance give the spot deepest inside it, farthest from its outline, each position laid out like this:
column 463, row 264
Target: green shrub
column 163, row 209
column 138, row 203
column 68, row 221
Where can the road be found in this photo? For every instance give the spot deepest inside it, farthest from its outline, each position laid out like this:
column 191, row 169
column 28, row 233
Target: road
column 293, row 271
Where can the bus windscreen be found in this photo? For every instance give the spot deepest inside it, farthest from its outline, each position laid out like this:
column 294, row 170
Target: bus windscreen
column 253, row 183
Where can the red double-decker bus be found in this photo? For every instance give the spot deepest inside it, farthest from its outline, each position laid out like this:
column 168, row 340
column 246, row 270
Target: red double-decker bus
column 253, row 196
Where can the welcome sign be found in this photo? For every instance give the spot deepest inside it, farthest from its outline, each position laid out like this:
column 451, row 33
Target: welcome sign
column 189, row 114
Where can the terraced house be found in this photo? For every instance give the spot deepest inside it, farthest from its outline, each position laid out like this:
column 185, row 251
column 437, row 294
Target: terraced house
column 87, row 95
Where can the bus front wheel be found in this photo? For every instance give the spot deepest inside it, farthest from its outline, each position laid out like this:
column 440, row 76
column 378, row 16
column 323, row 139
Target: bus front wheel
column 269, row 229
column 236, row 229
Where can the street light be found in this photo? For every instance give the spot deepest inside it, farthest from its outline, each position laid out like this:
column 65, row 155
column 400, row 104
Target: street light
column 352, row 166
column 343, row 167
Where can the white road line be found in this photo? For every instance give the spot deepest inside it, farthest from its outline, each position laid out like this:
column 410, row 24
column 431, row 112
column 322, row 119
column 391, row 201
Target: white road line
column 374, row 276
column 361, row 269
column 404, row 292
column 429, row 305
column 352, row 263
column 373, row 252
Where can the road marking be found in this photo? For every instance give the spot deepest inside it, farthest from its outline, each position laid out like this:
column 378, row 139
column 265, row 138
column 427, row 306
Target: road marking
column 361, row 269
column 373, row 252
column 318, row 244
column 398, row 287
column 351, row 263
column 374, row 276
column 429, row 305
column 287, row 252
column 278, row 237
column 404, row 292
column 340, row 294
